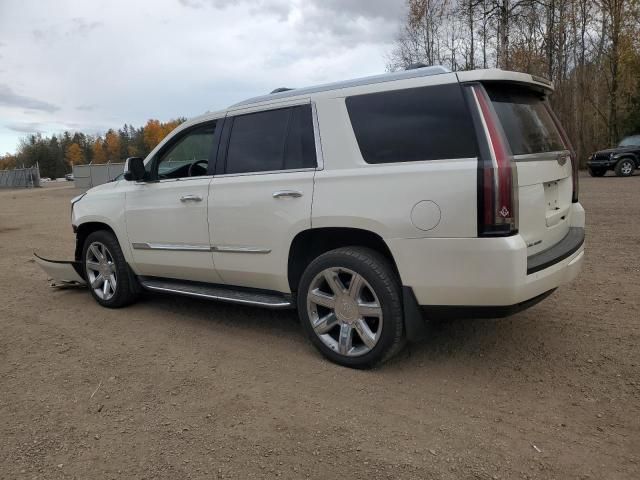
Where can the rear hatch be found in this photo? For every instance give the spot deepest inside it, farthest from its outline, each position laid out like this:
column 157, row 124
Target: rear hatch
column 542, row 160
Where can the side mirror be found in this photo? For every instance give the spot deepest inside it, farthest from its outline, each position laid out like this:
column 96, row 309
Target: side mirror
column 134, row 169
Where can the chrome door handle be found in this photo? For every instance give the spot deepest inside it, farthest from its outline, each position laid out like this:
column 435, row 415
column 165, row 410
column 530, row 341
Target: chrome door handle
column 191, row 198
column 287, row 193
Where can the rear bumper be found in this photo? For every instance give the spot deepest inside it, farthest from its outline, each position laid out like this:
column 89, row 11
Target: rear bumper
column 448, row 312
column 415, row 316
column 486, row 272
column 477, row 272
column 566, row 247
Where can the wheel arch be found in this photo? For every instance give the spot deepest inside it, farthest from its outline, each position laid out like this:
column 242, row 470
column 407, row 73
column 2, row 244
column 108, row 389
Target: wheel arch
column 631, row 156
column 85, row 229
column 309, row 244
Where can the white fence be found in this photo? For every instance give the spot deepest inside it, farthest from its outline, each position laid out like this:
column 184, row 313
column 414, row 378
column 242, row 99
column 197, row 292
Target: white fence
column 20, row 177
column 87, row 176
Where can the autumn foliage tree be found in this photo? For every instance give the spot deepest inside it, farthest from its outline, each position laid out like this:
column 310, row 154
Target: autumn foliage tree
column 112, row 146
column 99, row 154
column 56, row 154
column 74, row 155
column 7, row 161
column 155, row 131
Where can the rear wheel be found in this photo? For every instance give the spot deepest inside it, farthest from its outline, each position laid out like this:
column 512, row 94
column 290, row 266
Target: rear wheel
column 350, row 306
column 107, row 273
column 625, row 167
column 597, row 172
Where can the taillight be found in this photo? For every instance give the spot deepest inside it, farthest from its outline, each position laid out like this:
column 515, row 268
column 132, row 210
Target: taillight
column 497, row 175
column 572, row 153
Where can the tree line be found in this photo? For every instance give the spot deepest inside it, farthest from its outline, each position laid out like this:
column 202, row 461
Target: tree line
column 56, row 154
column 590, row 49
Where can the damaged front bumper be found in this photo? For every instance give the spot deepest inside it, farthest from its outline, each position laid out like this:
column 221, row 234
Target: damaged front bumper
column 63, row 273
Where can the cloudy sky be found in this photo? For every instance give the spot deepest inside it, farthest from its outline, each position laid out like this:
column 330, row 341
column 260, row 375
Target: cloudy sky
column 90, row 65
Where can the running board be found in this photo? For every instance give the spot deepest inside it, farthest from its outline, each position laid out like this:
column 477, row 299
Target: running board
column 259, row 298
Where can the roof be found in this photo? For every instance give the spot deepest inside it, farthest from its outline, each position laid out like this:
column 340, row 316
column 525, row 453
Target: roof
column 385, row 77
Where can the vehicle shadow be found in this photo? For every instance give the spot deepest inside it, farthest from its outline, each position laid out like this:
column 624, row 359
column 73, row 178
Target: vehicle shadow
column 504, row 343
column 213, row 313
column 492, row 342
column 495, row 341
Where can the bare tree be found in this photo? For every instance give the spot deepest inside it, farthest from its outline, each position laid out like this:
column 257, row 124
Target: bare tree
column 589, row 49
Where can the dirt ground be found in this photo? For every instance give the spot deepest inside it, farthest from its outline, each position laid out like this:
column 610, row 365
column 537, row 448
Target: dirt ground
column 180, row 388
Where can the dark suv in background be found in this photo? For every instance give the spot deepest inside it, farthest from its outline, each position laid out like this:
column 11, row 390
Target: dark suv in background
column 623, row 159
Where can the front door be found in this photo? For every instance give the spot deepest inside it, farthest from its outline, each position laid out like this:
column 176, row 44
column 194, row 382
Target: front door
column 261, row 197
column 166, row 217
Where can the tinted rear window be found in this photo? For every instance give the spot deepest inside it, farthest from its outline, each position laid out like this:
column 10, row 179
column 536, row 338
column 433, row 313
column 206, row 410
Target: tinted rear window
column 426, row 123
column 525, row 120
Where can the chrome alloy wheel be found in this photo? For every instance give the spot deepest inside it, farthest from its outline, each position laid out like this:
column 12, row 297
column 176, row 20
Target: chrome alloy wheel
column 101, row 271
column 627, row 168
column 344, row 311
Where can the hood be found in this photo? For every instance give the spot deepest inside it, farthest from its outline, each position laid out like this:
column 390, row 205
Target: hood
column 617, row 150
column 103, row 187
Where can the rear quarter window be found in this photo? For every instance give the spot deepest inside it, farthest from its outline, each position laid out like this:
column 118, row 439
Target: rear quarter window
column 525, row 120
column 425, row 123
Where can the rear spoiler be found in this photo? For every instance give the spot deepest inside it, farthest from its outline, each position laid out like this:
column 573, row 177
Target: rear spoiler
column 497, row 75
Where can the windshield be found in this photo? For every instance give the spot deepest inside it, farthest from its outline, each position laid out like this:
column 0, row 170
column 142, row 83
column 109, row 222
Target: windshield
column 632, row 141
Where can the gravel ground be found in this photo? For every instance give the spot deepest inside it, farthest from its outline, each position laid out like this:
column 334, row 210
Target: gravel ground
column 180, row 388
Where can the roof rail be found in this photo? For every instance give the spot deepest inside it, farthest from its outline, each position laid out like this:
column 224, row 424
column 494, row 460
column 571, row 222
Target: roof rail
column 280, row 89
column 385, row 77
column 413, row 66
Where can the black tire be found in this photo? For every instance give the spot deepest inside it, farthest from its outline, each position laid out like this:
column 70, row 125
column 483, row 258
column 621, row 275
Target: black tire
column 625, row 167
column 597, row 172
column 378, row 272
column 127, row 287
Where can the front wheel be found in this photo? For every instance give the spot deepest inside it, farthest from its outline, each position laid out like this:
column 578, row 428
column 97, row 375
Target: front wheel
column 625, row 167
column 110, row 282
column 350, row 305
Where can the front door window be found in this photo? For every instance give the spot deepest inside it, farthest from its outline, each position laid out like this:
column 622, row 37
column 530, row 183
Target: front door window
column 188, row 156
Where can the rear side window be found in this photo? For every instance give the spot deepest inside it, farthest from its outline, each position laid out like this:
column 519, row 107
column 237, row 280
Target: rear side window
column 426, row 123
column 272, row 140
column 300, row 150
column 525, row 120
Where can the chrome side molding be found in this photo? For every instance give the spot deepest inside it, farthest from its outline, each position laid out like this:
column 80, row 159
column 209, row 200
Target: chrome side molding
column 177, row 247
column 232, row 249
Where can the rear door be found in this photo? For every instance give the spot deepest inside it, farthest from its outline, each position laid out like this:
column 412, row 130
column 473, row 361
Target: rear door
column 261, row 195
column 543, row 163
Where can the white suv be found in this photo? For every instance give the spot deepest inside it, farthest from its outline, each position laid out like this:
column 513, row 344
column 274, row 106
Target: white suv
column 371, row 206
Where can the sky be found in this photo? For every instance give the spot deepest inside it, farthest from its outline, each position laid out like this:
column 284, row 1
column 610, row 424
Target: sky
column 94, row 65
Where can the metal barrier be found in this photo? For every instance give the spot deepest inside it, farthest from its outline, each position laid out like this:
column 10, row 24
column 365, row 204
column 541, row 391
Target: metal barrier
column 20, row 177
column 92, row 175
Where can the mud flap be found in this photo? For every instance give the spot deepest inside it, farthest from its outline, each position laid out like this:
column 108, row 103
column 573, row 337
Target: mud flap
column 415, row 326
column 63, row 273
